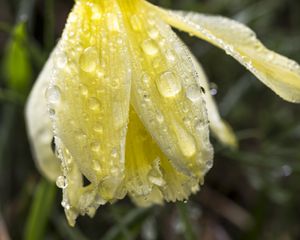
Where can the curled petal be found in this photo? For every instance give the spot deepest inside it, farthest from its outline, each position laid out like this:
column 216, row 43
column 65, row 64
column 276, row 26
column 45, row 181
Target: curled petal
column 39, row 127
column 279, row 73
column 165, row 92
column 88, row 101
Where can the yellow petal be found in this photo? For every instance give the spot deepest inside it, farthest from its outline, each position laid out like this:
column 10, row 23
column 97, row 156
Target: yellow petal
column 88, row 101
column 163, row 77
column 279, row 73
column 39, row 126
column 150, row 177
column 219, row 127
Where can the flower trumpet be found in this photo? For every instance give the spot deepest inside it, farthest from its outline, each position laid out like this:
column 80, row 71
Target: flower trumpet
column 128, row 106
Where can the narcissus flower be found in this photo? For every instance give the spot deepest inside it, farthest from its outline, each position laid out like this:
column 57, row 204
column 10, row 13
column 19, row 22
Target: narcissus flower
column 129, row 106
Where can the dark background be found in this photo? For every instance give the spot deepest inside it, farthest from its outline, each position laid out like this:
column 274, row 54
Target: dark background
column 251, row 193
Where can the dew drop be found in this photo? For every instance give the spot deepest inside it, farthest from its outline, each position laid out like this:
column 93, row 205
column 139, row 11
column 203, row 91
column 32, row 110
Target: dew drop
column 61, row 182
column 112, row 22
column 135, row 23
column 193, row 93
column 185, row 141
column 153, row 33
column 96, row 14
column 94, row 104
column 88, row 59
column 168, row 85
column 170, row 56
column 61, row 60
column 53, row 94
column 150, row 47
column 213, row 89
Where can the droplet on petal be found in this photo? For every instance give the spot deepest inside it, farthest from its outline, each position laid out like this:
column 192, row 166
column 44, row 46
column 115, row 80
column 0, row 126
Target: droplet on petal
column 136, row 23
column 53, row 94
column 88, row 59
column 186, row 141
column 112, row 22
column 168, row 85
column 193, row 93
column 150, row 47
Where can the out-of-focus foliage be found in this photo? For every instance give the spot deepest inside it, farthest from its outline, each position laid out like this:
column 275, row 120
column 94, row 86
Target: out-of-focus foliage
column 250, row 193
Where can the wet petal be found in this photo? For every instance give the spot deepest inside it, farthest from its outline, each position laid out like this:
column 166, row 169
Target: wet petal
column 88, row 102
column 163, row 72
column 150, row 177
column 39, row 126
column 219, row 127
column 279, row 73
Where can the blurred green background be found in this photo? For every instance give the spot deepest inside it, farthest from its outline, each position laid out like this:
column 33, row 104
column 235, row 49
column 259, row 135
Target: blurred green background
column 251, row 193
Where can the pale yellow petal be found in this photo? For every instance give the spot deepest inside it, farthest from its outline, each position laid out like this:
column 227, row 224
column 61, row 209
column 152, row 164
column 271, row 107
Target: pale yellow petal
column 163, row 77
column 88, row 101
column 150, row 178
column 39, row 126
column 279, row 73
column 219, row 127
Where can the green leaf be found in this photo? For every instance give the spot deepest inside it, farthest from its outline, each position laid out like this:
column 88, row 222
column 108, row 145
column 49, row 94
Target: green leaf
column 17, row 67
column 40, row 210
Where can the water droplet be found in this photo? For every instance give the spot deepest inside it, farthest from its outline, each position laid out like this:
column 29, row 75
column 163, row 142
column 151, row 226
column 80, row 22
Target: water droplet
column 193, row 93
column 186, row 142
column 96, row 13
column 88, row 59
column 94, row 104
column 112, row 22
column 150, row 47
column 53, row 94
column 208, row 165
column 153, row 33
column 61, row 182
column 61, row 60
column 168, row 84
column 170, row 56
column 213, row 89
column 51, row 113
column 136, row 23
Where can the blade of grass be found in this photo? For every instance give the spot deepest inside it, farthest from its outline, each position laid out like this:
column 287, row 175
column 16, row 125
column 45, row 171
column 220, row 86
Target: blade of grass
column 134, row 217
column 40, row 211
column 189, row 233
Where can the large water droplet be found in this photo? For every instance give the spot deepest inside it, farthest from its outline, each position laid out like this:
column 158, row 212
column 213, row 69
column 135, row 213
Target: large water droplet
column 168, row 84
column 193, row 93
column 88, row 59
column 185, row 141
column 53, row 94
column 61, row 182
column 150, row 47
